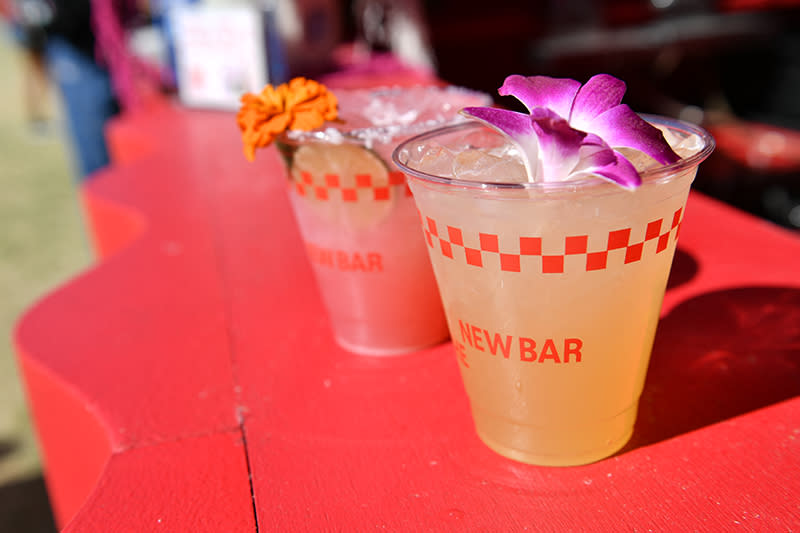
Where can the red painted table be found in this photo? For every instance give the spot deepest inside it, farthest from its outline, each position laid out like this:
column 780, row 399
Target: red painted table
column 189, row 381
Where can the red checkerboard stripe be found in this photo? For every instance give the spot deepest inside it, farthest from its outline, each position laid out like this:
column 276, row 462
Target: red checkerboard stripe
column 329, row 186
column 449, row 240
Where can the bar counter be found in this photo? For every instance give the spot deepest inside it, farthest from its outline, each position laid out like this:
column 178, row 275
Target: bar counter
column 189, row 380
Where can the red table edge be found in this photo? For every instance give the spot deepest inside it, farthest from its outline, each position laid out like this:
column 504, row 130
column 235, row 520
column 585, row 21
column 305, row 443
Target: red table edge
column 65, row 423
column 71, row 479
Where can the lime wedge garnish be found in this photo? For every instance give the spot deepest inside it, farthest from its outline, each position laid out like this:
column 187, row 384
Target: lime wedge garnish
column 344, row 183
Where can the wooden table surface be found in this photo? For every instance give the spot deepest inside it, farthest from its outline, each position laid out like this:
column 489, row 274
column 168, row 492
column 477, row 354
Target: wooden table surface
column 189, row 380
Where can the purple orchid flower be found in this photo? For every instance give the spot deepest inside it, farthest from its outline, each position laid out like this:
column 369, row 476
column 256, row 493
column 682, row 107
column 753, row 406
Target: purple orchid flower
column 572, row 130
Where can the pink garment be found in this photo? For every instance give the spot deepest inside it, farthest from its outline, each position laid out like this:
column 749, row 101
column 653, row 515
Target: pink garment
column 129, row 74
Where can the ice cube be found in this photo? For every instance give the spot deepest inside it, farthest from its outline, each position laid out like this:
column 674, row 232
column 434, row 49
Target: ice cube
column 688, row 146
column 402, row 107
column 385, row 112
column 480, row 165
column 639, row 160
column 432, row 159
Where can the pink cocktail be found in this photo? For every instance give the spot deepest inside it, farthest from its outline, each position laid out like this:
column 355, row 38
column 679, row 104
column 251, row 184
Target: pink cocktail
column 359, row 222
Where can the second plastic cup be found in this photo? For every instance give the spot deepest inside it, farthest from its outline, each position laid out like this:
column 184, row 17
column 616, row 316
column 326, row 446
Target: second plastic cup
column 359, row 222
column 552, row 291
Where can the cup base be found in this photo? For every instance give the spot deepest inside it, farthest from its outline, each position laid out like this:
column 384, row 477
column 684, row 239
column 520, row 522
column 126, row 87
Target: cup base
column 375, row 351
column 551, row 446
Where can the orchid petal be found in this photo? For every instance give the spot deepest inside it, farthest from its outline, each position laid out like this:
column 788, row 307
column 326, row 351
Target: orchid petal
column 594, row 154
column 620, row 126
column 541, row 91
column 623, row 173
column 617, row 169
column 559, row 143
column 592, row 139
column 599, row 94
column 572, row 130
column 511, row 123
column 517, row 126
column 599, row 159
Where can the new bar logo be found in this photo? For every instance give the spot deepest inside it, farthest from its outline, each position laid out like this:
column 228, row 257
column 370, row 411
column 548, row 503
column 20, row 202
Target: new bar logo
column 526, row 349
column 343, row 260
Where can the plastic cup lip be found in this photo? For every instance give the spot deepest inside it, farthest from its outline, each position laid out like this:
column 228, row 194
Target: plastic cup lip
column 653, row 175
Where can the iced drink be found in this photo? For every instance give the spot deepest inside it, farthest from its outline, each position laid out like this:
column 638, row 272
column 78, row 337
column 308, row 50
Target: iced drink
column 552, row 291
column 359, row 222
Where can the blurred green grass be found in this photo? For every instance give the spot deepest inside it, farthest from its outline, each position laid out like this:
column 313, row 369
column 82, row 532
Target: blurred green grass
column 42, row 243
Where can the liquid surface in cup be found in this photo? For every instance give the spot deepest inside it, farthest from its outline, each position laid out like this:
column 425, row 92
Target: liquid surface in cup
column 486, row 156
column 552, row 298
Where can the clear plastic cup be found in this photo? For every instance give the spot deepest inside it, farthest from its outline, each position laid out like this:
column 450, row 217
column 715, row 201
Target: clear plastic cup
column 359, row 222
column 552, row 291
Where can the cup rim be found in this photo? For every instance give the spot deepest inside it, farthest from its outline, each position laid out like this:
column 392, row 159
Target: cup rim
column 366, row 134
column 649, row 176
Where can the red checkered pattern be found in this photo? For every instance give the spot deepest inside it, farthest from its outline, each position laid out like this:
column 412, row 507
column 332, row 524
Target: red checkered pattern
column 449, row 241
column 329, row 186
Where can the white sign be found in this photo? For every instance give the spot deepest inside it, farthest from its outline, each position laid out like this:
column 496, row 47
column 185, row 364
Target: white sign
column 220, row 53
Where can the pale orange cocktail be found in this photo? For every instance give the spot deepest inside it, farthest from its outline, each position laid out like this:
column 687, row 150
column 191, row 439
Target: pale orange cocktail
column 552, row 291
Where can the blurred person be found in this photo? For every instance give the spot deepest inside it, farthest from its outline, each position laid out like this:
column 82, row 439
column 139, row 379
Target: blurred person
column 308, row 31
column 88, row 100
column 396, row 26
column 28, row 19
column 97, row 76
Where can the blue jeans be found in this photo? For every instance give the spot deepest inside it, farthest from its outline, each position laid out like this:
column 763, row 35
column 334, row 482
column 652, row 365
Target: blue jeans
column 87, row 100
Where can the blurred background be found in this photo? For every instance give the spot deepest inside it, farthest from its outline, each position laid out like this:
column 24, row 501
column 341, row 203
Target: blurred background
column 67, row 67
column 42, row 244
column 732, row 66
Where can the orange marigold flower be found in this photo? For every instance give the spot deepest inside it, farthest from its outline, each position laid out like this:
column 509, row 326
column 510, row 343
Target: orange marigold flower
column 301, row 104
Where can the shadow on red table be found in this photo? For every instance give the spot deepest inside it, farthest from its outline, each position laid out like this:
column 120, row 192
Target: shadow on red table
column 719, row 355
column 684, row 268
